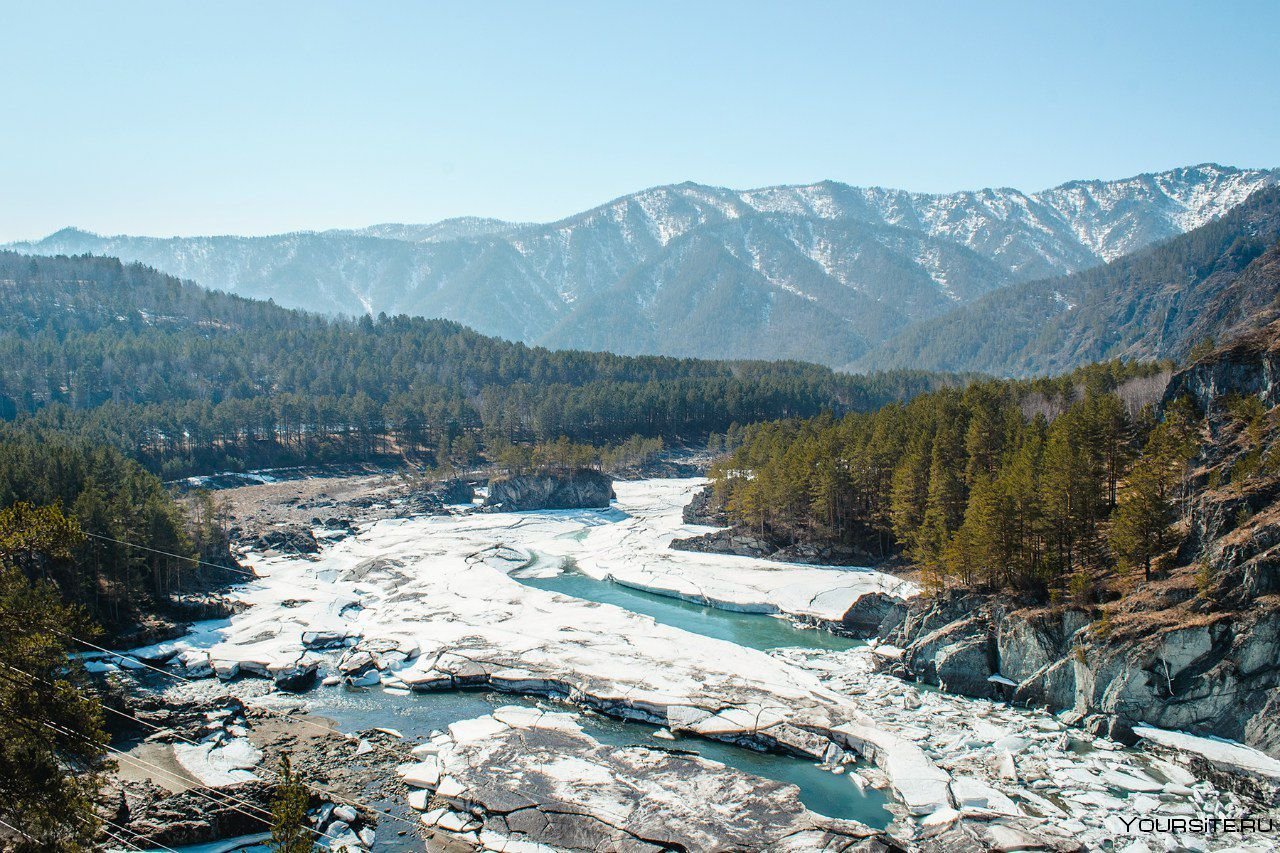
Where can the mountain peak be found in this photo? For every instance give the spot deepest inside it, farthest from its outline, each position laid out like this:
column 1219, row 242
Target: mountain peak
column 69, row 233
column 818, row 271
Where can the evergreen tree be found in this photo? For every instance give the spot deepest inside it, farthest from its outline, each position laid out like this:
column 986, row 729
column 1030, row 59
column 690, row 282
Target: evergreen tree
column 52, row 743
column 289, row 830
column 1148, row 504
column 1142, row 519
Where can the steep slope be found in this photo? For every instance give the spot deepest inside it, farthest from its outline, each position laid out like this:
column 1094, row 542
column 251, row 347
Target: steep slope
column 1157, row 303
column 1193, row 648
column 770, row 286
column 599, row 278
column 190, row 379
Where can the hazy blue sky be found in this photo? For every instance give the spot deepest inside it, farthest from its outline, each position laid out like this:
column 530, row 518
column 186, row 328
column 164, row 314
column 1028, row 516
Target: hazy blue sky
column 256, row 117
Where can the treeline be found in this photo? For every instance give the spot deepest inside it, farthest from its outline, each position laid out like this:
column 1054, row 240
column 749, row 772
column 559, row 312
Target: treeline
column 187, row 380
column 113, row 500
column 1038, row 487
column 565, row 454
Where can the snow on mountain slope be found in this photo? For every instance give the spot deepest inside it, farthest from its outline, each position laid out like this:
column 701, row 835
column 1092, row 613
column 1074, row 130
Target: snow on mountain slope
column 865, row 261
column 457, row 228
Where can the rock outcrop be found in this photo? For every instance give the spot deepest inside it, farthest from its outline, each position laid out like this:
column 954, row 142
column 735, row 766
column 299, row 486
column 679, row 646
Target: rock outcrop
column 731, row 540
column 454, row 492
column 705, row 509
column 1249, row 366
column 291, row 539
column 1217, row 679
column 156, row 817
column 744, row 542
column 875, row 614
column 638, row 797
column 582, row 488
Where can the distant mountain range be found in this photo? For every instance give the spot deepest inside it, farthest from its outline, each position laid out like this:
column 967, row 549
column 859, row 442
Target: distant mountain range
column 1215, row 282
column 826, row 272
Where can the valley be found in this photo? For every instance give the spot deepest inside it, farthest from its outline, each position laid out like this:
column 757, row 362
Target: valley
column 640, row 428
column 415, row 615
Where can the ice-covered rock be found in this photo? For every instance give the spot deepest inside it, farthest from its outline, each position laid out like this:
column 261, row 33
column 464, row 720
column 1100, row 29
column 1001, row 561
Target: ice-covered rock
column 921, row 785
column 217, row 764
column 576, row 489
column 576, row 793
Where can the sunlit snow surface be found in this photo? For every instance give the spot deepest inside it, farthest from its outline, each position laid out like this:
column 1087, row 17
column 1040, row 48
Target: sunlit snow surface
column 435, row 594
column 440, row 585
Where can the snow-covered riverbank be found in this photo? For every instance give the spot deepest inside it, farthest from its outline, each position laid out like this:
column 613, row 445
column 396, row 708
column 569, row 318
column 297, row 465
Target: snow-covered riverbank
column 634, row 551
column 429, row 604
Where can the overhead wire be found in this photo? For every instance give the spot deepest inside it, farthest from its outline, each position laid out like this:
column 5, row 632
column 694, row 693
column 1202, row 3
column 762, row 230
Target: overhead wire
column 222, row 798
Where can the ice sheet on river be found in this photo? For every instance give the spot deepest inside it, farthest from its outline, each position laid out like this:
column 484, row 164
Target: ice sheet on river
column 430, row 601
column 559, row 787
column 428, row 604
column 634, row 551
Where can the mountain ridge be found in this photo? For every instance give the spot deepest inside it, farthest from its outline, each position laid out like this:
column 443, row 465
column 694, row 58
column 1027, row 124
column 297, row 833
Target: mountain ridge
column 1212, row 282
column 823, row 271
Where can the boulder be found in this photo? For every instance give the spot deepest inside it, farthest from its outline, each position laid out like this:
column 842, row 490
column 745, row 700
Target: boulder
column 705, row 509
column 454, row 492
column 293, row 539
column 922, row 655
column 582, row 488
column 965, row 667
column 295, row 677
column 873, row 615
column 737, row 541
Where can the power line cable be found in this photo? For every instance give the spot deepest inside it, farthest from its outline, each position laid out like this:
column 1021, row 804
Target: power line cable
column 140, row 763
column 13, row 828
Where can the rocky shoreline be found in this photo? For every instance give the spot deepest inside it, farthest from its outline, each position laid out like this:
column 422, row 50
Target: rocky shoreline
column 196, row 766
column 939, row 807
column 1210, row 679
column 740, row 541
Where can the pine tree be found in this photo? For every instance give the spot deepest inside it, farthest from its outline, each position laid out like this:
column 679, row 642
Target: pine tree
column 1149, row 501
column 52, row 743
column 1141, row 520
column 289, row 830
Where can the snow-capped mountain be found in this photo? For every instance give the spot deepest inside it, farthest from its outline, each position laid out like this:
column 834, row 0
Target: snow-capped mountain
column 822, row 272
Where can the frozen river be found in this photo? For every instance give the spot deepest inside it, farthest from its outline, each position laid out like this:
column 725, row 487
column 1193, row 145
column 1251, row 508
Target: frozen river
column 444, row 620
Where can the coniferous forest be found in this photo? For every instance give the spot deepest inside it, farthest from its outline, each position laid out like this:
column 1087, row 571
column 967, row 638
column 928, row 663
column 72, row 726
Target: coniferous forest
column 1034, row 487
column 188, row 380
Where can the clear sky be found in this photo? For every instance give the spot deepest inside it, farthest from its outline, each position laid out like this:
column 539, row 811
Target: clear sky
column 257, row 117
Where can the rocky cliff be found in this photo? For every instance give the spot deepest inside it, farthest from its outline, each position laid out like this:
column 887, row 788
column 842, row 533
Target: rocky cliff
column 742, row 541
column 1249, row 365
column 1197, row 648
column 582, row 488
column 1216, row 675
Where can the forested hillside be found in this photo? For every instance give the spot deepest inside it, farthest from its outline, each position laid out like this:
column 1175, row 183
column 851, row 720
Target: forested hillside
column 1032, row 487
column 1157, row 303
column 820, row 272
column 109, row 500
column 187, row 379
